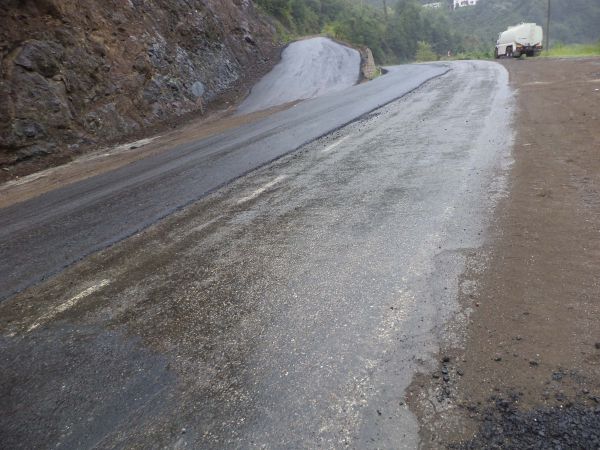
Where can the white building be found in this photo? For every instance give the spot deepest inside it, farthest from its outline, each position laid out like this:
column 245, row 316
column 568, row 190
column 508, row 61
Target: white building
column 433, row 5
column 461, row 3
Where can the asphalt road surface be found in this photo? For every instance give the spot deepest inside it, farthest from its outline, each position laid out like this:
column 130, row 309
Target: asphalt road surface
column 43, row 235
column 308, row 69
column 287, row 309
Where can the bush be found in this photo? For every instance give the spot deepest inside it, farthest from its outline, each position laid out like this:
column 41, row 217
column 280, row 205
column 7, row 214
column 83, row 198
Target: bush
column 425, row 52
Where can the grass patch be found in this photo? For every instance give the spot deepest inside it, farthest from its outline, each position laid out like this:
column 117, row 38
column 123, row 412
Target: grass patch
column 573, row 50
column 378, row 73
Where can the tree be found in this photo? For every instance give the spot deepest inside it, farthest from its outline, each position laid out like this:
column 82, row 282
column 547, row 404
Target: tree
column 425, row 52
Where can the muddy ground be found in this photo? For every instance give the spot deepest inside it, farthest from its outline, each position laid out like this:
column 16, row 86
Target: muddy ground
column 525, row 372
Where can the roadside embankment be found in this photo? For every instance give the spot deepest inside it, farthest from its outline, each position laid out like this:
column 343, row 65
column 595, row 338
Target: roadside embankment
column 527, row 373
column 341, row 61
column 74, row 75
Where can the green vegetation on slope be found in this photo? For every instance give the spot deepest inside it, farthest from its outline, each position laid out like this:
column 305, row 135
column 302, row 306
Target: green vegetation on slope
column 391, row 33
column 572, row 21
column 425, row 52
column 399, row 31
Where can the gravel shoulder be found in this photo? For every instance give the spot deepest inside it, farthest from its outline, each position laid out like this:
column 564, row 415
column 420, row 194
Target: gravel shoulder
column 525, row 371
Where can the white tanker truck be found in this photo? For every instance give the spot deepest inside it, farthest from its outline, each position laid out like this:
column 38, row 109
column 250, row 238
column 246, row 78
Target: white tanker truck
column 523, row 39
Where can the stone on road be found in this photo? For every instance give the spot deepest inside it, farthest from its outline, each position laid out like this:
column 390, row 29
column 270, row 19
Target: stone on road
column 289, row 309
column 308, row 69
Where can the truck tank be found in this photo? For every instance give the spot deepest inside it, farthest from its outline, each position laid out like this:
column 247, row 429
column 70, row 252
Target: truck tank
column 525, row 38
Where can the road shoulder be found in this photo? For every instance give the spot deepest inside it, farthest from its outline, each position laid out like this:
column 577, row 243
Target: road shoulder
column 109, row 158
column 527, row 372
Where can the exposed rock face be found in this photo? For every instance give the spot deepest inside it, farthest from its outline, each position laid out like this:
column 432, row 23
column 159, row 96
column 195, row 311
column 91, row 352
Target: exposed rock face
column 77, row 72
column 368, row 68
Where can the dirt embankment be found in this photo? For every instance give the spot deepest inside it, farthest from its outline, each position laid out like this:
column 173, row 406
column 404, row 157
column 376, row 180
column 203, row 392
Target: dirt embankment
column 76, row 73
column 528, row 375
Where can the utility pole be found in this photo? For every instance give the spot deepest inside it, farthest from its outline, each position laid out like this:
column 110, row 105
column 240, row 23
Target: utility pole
column 385, row 13
column 548, row 29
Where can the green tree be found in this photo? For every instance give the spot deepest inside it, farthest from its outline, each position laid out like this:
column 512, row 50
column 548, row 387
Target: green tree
column 425, row 52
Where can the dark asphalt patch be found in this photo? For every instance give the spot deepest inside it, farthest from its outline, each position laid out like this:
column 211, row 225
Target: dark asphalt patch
column 68, row 387
column 572, row 426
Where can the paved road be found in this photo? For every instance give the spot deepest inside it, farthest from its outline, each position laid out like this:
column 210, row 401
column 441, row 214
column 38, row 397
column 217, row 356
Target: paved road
column 308, row 69
column 41, row 236
column 290, row 308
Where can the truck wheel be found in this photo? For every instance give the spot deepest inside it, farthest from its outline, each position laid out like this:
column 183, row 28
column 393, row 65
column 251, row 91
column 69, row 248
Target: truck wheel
column 508, row 52
column 496, row 55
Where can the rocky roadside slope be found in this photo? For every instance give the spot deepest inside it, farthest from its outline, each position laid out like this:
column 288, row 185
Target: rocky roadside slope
column 75, row 73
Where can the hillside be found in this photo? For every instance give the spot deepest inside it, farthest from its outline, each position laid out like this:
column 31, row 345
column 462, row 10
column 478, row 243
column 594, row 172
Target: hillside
column 396, row 32
column 392, row 35
column 572, row 21
column 76, row 73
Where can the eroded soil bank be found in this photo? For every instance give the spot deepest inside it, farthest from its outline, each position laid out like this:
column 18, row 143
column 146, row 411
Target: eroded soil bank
column 527, row 374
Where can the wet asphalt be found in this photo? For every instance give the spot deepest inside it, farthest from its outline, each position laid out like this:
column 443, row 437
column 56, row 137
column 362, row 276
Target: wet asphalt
column 41, row 236
column 287, row 309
